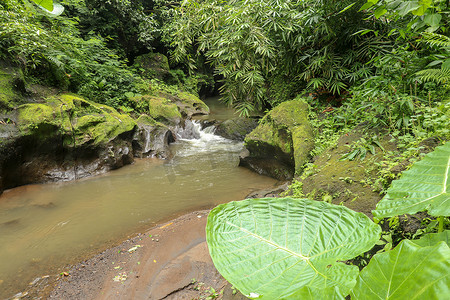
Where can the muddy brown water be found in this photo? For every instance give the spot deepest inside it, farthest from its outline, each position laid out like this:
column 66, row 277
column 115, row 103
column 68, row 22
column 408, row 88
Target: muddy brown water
column 46, row 227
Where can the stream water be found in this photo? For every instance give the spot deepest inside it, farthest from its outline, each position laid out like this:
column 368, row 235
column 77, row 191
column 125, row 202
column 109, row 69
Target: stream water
column 45, row 227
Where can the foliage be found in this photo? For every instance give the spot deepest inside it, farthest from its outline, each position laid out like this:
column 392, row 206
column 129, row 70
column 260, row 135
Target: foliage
column 441, row 75
column 123, row 24
column 301, row 41
column 424, row 187
column 47, row 4
column 407, row 272
column 419, row 15
column 54, row 54
column 361, row 147
column 279, row 248
column 433, row 238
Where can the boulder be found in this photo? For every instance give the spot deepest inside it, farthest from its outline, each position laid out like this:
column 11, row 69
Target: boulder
column 65, row 138
column 170, row 109
column 154, row 65
column 236, row 128
column 152, row 138
column 163, row 110
column 283, row 137
column 190, row 105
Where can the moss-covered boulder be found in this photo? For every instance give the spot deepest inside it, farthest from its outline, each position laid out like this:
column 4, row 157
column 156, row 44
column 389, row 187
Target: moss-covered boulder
column 190, row 105
column 163, row 110
column 65, row 138
column 170, row 109
column 154, row 65
column 285, row 137
column 236, row 128
column 79, row 121
column 152, row 138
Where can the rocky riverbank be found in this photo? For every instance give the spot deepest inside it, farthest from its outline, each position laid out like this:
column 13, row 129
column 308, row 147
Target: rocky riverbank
column 49, row 136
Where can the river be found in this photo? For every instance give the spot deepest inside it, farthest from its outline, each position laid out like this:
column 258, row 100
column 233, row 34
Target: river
column 46, row 227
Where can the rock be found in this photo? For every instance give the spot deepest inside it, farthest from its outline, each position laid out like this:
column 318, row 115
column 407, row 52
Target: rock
column 154, row 65
column 66, row 138
column 170, row 109
column 152, row 138
column 163, row 110
column 282, row 141
column 236, row 129
column 190, row 105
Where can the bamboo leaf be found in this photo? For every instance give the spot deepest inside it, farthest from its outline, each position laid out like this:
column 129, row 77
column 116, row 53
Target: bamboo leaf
column 283, row 248
column 426, row 186
column 407, row 272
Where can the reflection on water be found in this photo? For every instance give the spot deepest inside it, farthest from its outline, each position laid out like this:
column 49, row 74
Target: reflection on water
column 43, row 227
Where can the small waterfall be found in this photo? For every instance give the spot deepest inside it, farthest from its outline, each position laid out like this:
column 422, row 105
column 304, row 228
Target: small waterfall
column 148, row 141
column 193, row 139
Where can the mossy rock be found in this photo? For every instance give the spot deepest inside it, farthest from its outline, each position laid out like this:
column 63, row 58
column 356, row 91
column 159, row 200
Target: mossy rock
column 169, row 109
column 190, row 104
column 236, row 128
column 79, row 121
column 147, row 120
column 152, row 138
column 283, row 134
column 154, row 65
column 163, row 110
column 12, row 88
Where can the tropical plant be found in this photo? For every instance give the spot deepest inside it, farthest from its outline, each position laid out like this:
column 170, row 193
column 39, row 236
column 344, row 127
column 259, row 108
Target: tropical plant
column 426, row 186
column 307, row 42
column 125, row 25
column 441, row 75
column 288, row 248
column 414, row 15
column 409, row 271
column 292, row 248
column 47, row 4
column 53, row 53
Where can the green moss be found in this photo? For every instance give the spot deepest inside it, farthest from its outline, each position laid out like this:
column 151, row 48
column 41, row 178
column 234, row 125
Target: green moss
column 153, row 65
column 268, row 133
column 146, row 120
column 303, row 143
column 163, row 110
column 193, row 101
column 289, row 114
column 149, row 121
column 152, row 61
column 10, row 79
column 72, row 116
column 284, row 133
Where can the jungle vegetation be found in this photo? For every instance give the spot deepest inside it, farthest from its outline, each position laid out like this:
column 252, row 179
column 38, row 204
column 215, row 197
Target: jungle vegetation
column 381, row 63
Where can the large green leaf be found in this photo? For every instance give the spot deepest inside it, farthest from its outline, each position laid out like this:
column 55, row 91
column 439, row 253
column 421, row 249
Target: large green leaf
column 283, row 248
column 47, row 4
column 432, row 239
column 407, row 272
column 426, row 186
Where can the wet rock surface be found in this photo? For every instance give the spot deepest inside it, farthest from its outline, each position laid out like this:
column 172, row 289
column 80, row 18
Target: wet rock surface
column 284, row 138
column 171, row 261
column 236, row 128
column 65, row 138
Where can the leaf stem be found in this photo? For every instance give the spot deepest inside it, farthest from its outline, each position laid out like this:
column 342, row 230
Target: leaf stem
column 441, row 224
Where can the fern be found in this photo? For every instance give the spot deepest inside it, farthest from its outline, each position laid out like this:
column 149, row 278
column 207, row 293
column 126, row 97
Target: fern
column 436, row 75
column 434, row 39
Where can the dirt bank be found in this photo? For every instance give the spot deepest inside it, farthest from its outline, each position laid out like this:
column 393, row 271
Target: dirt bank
column 170, row 261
